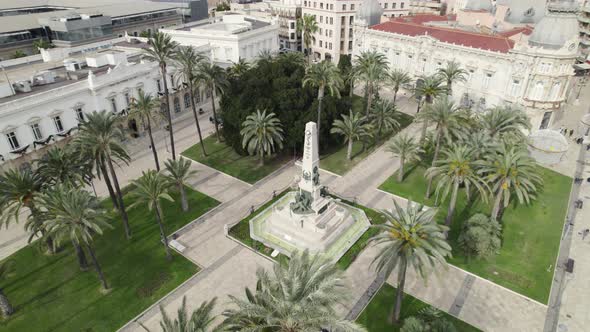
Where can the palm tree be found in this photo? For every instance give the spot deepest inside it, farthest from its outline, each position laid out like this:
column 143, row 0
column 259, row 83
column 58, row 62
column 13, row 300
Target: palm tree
column 239, row 68
column 407, row 150
column 430, row 88
column 163, row 49
column 146, row 108
column 456, row 170
column 307, row 26
column 214, row 79
column 178, row 173
column 452, row 73
column 353, row 127
column 75, row 215
column 323, row 75
column 371, row 67
column 510, row 171
column 292, row 58
column 502, row 121
column 443, row 114
column 409, row 238
column 6, row 268
column 384, row 116
column 398, row 78
column 100, row 139
column 186, row 61
column 149, row 190
column 199, row 321
column 299, row 295
column 262, row 134
column 63, row 165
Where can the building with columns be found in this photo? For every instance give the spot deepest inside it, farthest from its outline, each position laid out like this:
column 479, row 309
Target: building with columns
column 533, row 73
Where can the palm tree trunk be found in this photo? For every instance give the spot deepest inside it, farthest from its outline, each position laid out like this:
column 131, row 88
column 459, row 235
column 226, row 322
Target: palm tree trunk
column 400, row 171
column 349, row 150
column 97, row 267
column 395, row 90
column 183, row 199
column 399, row 296
column 162, row 233
column 351, row 92
column 149, row 127
column 260, row 158
column 434, row 159
column 320, row 100
column 212, row 91
column 5, row 307
column 168, row 113
column 452, row 204
column 194, row 107
column 423, row 134
column 369, row 98
column 120, row 199
column 81, row 256
column 497, row 203
column 107, row 181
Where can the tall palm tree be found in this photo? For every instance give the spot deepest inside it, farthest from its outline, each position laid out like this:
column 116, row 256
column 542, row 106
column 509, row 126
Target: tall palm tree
column 6, row 268
column 370, row 67
column 398, row 78
column 456, row 170
column 262, row 134
column 239, row 68
column 323, row 75
column 307, row 26
column 215, row 81
column 199, row 321
column 149, row 190
column 63, row 165
column 407, row 150
column 300, row 295
column 353, row 127
column 100, row 139
column 384, row 116
column 292, row 58
column 410, row 238
column 178, row 173
column 163, row 49
column 187, row 61
column 452, row 73
column 501, row 121
column 430, row 88
column 146, row 108
column 443, row 114
column 511, row 171
column 75, row 215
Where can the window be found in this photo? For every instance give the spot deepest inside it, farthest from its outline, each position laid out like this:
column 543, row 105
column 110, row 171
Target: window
column 470, row 74
column 546, row 120
column 343, row 20
column 331, row 7
column 320, row 43
column 79, row 113
column 343, row 7
column 176, row 105
column 351, row 20
column 321, row 5
column 36, row 131
column 321, row 31
column 330, row 46
column 159, row 85
column 342, row 45
column 555, row 91
column 350, row 45
column 321, row 19
column 305, row 3
column 12, row 140
column 330, row 33
column 127, row 99
column 486, row 80
column 292, row 25
column 331, row 20
column 537, row 93
column 314, row 4
column 139, row 90
column 401, row 5
column 514, row 88
column 114, row 104
column 393, row 6
column 59, row 127
column 352, row 6
column 187, row 100
column 385, row 5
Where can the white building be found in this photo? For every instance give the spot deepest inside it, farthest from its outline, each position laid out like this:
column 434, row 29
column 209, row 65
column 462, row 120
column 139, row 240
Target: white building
column 42, row 103
column 534, row 74
column 231, row 37
column 336, row 18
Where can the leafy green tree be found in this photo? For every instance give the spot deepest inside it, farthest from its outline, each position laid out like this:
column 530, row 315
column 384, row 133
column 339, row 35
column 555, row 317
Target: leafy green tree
column 410, row 238
column 293, row 58
column 397, row 79
column 239, row 68
column 299, row 295
column 163, row 49
column 215, row 81
column 511, row 171
column 454, row 171
column 480, row 237
column 178, row 172
column 149, row 190
column 187, row 61
column 346, row 73
column 429, row 88
column 262, row 134
column 452, row 73
column 63, row 165
column 307, row 26
column 353, row 127
column 75, row 215
column 18, row 54
column 99, row 139
column 407, row 150
column 499, row 122
column 199, row 321
column 6, row 268
column 384, row 116
column 370, row 67
column 323, row 75
column 480, row 143
column 146, row 108
column 42, row 43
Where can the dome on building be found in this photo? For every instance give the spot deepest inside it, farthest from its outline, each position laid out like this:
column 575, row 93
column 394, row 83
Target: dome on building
column 558, row 26
column 523, row 11
column 479, row 5
column 370, row 11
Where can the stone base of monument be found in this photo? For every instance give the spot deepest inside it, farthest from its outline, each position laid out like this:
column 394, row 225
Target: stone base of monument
column 330, row 229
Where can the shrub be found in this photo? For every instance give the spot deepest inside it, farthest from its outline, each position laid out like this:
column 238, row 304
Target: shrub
column 480, row 236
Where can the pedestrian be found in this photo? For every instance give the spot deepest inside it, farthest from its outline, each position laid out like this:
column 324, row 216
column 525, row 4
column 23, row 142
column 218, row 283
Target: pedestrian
column 588, row 147
column 562, row 130
column 585, row 233
column 571, row 132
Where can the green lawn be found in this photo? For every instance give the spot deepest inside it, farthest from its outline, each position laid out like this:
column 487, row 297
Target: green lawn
column 335, row 160
column 531, row 234
column 224, row 159
column 375, row 316
column 51, row 294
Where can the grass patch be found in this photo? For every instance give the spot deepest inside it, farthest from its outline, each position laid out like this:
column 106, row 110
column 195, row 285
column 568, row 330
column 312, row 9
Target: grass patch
column 375, row 316
column 531, row 234
column 51, row 294
column 335, row 160
column 225, row 159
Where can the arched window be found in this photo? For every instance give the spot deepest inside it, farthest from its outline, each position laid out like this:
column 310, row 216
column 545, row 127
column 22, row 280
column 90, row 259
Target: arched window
column 537, row 93
column 555, row 91
column 176, row 105
column 187, row 100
